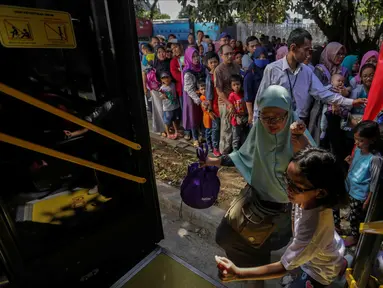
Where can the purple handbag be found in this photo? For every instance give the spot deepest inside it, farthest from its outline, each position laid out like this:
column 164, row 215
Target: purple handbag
column 200, row 187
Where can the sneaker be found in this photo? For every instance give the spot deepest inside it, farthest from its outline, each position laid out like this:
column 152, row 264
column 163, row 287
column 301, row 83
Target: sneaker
column 93, row 191
column 322, row 135
column 187, row 137
column 172, row 136
column 216, row 152
column 350, row 241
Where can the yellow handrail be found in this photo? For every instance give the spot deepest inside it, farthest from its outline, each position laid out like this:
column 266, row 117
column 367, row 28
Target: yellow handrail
column 371, row 227
column 53, row 110
column 50, row 152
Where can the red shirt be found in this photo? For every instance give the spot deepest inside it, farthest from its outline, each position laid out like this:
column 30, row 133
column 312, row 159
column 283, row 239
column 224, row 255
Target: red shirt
column 175, row 70
column 239, row 106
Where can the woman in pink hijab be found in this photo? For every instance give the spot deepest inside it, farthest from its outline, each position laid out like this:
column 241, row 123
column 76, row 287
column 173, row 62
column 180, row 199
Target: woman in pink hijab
column 370, row 57
column 331, row 59
column 282, row 52
column 329, row 64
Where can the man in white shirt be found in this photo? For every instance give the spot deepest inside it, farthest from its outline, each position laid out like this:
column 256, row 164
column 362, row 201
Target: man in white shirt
column 299, row 80
column 200, row 41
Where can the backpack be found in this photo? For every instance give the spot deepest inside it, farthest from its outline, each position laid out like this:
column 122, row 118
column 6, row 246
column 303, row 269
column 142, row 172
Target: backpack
column 201, row 186
column 151, row 80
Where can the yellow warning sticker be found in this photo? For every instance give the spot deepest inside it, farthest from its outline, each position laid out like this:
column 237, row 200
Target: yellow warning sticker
column 35, row 28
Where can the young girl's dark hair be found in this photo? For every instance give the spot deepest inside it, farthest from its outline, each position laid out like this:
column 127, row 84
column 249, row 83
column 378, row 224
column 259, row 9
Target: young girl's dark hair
column 364, row 67
column 323, row 171
column 235, row 78
column 370, row 130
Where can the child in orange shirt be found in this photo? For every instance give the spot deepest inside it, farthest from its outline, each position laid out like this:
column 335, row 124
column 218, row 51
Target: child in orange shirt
column 207, row 114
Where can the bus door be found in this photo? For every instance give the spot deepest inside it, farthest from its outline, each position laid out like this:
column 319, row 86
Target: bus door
column 78, row 202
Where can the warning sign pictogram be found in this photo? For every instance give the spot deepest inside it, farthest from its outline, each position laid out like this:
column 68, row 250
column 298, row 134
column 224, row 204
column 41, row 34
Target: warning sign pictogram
column 17, row 29
column 55, row 31
column 22, row 27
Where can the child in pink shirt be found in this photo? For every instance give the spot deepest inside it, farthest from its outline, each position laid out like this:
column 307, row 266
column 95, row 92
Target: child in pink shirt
column 239, row 117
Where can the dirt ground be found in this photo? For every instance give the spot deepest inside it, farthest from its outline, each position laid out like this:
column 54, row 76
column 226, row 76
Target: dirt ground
column 170, row 164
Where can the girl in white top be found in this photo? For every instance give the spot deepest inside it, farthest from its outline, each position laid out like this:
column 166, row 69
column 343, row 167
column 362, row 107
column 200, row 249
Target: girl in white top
column 315, row 186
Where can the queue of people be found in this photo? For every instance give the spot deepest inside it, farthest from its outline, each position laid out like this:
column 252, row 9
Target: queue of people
column 252, row 104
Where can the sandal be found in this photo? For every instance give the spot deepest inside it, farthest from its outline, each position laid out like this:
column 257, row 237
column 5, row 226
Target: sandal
column 350, row 241
column 172, row 136
column 338, row 230
column 187, row 137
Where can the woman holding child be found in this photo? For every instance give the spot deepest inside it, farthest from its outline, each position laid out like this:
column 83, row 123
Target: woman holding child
column 258, row 221
column 329, row 65
column 161, row 64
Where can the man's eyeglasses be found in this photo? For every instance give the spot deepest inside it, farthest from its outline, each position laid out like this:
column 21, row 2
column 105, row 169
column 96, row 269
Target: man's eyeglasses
column 272, row 120
column 294, row 187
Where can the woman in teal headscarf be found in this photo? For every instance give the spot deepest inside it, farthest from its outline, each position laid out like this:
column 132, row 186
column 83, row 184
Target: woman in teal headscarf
column 351, row 62
column 247, row 231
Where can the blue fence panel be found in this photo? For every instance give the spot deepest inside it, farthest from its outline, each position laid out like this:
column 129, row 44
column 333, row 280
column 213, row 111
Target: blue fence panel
column 210, row 29
column 180, row 28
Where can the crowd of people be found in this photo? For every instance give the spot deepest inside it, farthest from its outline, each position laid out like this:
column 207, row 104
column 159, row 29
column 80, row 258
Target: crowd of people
column 252, row 103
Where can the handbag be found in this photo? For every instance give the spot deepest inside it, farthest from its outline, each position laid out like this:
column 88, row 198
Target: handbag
column 250, row 219
column 201, row 185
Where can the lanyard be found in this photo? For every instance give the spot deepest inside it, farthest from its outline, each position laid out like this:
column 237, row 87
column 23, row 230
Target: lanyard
column 295, row 81
column 292, row 88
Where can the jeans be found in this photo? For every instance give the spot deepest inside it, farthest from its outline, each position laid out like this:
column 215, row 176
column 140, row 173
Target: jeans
column 304, row 280
column 208, row 134
column 195, row 133
column 215, row 132
column 181, row 102
column 239, row 135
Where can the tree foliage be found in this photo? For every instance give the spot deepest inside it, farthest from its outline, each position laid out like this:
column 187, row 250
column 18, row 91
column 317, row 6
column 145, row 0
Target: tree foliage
column 226, row 12
column 354, row 23
column 147, row 10
column 346, row 21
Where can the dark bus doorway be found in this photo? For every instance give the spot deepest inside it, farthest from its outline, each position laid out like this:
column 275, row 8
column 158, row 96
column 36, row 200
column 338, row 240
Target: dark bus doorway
column 64, row 224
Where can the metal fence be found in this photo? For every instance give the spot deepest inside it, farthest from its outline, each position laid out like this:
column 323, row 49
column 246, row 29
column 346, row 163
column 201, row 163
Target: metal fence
column 283, row 30
column 279, row 30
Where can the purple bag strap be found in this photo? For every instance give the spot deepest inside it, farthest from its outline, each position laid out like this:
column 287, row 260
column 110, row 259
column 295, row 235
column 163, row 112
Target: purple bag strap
column 325, row 71
column 344, row 71
column 202, row 152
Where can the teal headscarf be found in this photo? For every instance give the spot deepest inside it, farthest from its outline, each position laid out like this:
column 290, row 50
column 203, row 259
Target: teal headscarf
column 348, row 62
column 264, row 157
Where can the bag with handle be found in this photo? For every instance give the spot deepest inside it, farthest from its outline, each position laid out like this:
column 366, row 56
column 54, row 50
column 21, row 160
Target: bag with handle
column 201, row 185
column 151, row 80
